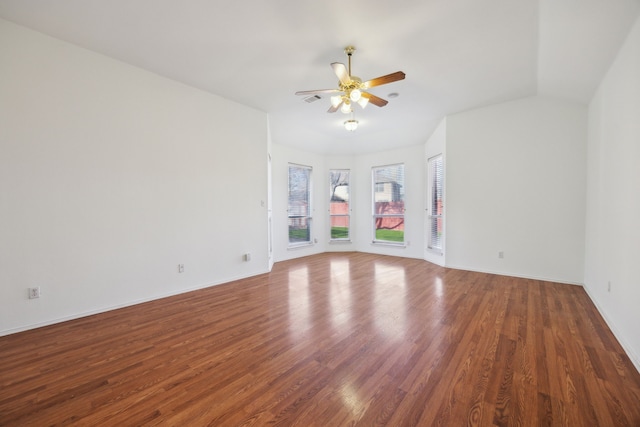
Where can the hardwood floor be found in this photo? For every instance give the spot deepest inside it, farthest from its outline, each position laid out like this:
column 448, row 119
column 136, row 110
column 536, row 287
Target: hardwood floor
column 330, row 340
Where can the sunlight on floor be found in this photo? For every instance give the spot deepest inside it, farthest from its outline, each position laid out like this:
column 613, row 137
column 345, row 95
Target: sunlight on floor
column 390, row 299
column 299, row 304
column 340, row 293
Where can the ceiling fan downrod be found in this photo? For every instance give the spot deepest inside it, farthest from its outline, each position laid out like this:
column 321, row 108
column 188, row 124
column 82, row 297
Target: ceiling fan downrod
column 349, row 51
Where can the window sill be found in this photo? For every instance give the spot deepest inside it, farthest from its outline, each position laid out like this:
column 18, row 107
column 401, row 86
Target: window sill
column 395, row 245
column 340, row 242
column 299, row 246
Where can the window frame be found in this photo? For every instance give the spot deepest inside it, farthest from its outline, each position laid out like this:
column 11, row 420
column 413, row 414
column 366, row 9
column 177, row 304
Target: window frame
column 346, row 215
column 307, row 217
column 395, row 191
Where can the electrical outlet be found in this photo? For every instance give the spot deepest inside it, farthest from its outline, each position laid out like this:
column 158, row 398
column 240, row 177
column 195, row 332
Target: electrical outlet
column 500, row 254
column 247, row 257
column 34, row 292
column 180, row 268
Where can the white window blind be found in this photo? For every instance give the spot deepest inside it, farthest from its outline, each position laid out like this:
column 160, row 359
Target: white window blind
column 435, row 169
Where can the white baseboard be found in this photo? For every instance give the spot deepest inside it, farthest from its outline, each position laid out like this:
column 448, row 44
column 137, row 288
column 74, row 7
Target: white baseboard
column 625, row 346
column 123, row 305
column 502, row 273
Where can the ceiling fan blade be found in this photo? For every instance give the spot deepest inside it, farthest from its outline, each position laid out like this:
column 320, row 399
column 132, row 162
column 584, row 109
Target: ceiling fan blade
column 335, row 108
column 313, row 92
column 342, row 73
column 383, row 80
column 377, row 101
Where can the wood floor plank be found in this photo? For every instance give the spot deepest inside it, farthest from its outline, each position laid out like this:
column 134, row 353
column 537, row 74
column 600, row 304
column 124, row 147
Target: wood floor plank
column 330, row 340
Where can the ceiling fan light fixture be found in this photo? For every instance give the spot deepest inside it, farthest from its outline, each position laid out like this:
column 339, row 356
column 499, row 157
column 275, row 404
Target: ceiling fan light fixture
column 346, row 107
column 355, row 95
column 351, row 125
column 336, row 100
column 363, row 101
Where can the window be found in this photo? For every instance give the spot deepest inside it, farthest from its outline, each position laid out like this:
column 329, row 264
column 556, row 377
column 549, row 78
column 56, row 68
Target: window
column 339, row 207
column 388, row 204
column 435, row 210
column 299, row 210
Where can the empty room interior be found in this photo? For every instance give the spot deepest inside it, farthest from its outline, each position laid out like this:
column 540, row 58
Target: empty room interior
column 320, row 213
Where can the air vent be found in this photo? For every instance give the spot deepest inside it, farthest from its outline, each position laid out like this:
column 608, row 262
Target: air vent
column 313, row 98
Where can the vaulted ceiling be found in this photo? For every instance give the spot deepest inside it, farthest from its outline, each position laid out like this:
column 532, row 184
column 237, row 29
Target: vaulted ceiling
column 457, row 54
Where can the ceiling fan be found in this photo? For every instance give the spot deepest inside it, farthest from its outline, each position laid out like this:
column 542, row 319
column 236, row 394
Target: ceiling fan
column 351, row 89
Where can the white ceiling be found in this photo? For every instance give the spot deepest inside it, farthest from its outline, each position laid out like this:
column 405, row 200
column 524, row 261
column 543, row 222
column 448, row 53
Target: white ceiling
column 457, row 54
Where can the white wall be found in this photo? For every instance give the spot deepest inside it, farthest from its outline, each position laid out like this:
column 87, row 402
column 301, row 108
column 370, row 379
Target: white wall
column 515, row 177
column 613, row 196
column 436, row 145
column 110, row 176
